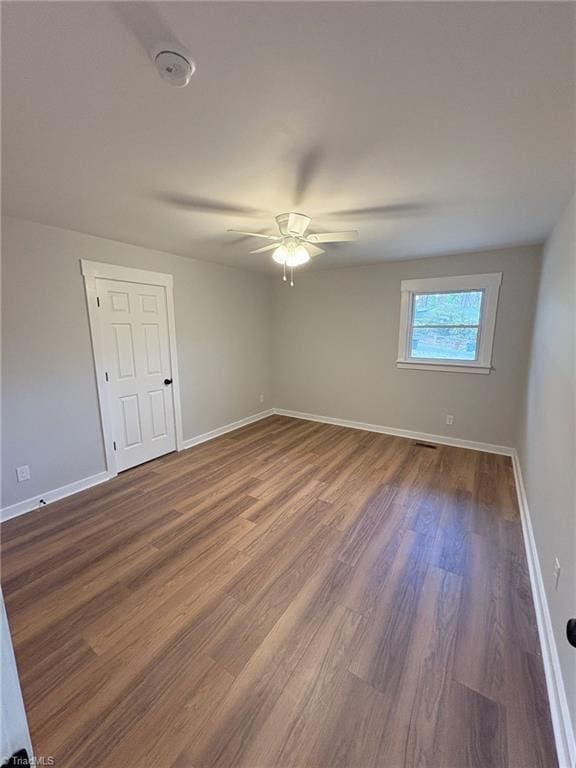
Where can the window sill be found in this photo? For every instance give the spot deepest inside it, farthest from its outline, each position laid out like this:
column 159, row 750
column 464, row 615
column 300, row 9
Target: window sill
column 443, row 367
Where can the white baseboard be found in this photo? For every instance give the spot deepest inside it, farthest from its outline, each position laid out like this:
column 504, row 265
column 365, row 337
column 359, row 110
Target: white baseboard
column 226, row 428
column 58, row 493
column 424, row 436
column 561, row 721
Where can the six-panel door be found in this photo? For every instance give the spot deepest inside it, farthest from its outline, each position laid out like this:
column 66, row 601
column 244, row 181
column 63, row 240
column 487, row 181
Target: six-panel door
column 136, row 346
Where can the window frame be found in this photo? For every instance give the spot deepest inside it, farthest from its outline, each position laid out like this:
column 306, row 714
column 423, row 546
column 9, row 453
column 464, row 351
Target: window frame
column 488, row 284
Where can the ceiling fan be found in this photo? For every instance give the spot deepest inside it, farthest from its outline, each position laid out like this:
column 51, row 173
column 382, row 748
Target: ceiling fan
column 293, row 247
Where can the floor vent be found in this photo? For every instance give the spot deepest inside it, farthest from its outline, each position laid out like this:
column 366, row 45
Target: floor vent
column 426, row 445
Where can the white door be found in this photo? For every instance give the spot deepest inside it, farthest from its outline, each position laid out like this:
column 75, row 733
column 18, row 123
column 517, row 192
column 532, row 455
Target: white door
column 134, row 324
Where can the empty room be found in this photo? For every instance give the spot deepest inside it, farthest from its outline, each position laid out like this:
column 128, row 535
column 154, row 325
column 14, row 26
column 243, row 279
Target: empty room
column 288, row 384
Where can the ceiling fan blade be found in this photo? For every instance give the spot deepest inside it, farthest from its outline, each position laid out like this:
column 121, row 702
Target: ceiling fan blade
column 333, row 237
column 394, row 209
column 205, row 205
column 298, row 223
column 294, row 224
column 306, row 170
column 313, row 250
column 254, row 234
column 265, row 248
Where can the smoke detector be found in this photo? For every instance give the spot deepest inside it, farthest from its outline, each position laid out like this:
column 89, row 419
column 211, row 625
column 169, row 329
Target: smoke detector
column 174, row 67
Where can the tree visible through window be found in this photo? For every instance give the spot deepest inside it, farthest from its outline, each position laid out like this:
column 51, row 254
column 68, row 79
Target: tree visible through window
column 446, row 326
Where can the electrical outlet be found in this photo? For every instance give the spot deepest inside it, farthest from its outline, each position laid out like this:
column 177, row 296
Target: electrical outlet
column 449, row 419
column 23, row 473
column 261, row 398
column 556, row 573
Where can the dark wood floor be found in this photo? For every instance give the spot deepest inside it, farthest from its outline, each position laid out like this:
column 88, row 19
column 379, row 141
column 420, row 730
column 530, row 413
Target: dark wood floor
column 292, row 595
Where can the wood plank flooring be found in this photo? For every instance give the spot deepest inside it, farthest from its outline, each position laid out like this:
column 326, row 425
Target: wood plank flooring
column 291, row 595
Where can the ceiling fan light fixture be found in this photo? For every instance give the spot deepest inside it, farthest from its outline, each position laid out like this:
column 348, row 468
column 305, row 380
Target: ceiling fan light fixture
column 280, row 254
column 291, row 254
column 299, row 257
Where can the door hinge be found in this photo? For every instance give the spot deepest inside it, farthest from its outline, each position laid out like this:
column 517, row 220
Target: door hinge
column 114, row 444
column 98, row 300
column 106, row 374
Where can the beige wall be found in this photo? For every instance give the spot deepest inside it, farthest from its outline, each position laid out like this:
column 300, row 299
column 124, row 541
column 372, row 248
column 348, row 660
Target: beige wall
column 336, row 343
column 50, row 406
column 547, row 440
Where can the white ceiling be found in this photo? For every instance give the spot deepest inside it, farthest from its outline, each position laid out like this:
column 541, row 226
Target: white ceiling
column 455, row 119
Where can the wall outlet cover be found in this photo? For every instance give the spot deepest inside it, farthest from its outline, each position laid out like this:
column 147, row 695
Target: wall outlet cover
column 23, row 473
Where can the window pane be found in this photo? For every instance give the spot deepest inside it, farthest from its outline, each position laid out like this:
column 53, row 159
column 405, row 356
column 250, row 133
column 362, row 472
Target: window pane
column 444, row 343
column 462, row 308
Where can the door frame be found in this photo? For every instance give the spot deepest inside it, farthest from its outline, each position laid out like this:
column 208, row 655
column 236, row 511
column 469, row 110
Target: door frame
column 91, row 271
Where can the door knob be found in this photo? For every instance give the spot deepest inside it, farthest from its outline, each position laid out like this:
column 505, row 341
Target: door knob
column 571, row 632
column 167, row 381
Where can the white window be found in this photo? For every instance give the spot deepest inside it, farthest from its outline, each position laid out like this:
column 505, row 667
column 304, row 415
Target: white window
column 447, row 323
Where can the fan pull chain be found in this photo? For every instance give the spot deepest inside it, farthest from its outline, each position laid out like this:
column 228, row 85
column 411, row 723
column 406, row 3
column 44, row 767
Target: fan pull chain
column 284, row 275
column 291, row 277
